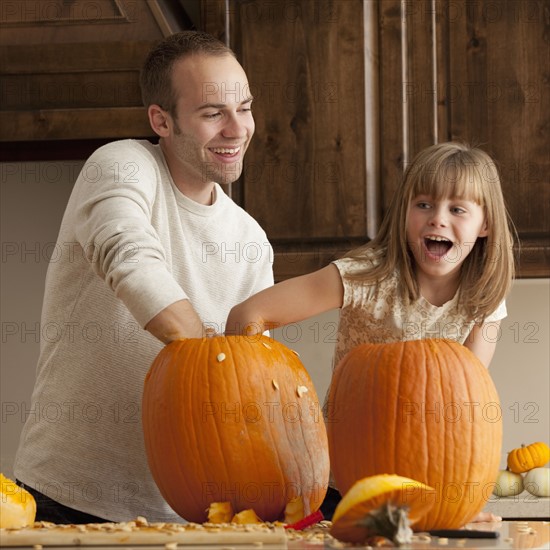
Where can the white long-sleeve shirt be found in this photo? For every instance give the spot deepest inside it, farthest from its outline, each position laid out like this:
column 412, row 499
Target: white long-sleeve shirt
column 130, row 244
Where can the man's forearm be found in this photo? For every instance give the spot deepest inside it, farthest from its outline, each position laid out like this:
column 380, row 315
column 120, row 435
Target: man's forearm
column 178, row 320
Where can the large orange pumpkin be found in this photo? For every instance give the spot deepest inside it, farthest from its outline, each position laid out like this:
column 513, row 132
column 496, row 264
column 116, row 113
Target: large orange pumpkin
column 234, row 419
column 427, row 410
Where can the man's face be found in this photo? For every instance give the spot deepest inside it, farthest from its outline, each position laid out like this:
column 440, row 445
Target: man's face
column 213, row 123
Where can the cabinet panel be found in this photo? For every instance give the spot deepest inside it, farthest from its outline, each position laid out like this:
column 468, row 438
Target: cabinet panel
column 499, row 97
column 304, row 177
column 347, row 92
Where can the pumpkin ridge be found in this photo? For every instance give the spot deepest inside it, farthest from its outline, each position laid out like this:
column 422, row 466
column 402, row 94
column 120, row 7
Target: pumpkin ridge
column 369, row 420
column 458, row 517
column 162, row 373
column 373, row 425
column 159, row 374
column 303, row 433
column 473, row 470
column 426, row 442
column 306, row 503
column 435, row 442
column 370, row 430
column 398, row 404
column 191, row 434
column 448, row 438
column 274, row 446
column 453, row 465
column 212, row 364
column 248, row 443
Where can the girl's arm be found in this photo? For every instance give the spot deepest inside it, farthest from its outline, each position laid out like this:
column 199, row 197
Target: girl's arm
column 482, row 341
column 288, row 302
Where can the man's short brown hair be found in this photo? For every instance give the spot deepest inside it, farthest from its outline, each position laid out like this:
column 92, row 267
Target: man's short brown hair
column 156, row 74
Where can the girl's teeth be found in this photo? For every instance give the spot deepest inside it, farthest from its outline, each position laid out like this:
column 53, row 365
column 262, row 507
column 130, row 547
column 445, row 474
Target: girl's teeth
column 437, row 238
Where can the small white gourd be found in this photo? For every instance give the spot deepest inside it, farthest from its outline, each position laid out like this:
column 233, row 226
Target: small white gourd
column 508, row 484
column 537, row 482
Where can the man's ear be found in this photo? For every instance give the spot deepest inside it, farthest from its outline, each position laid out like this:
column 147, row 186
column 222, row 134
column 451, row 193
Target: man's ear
column 158, row 119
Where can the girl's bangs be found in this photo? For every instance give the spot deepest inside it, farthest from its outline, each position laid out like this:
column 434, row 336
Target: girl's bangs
column 450, row 179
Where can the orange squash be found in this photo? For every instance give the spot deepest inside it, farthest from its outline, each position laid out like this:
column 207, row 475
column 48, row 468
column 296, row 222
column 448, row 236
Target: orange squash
column 382, row 505
column 234, row 419
column 427, row 410
column 526, row 458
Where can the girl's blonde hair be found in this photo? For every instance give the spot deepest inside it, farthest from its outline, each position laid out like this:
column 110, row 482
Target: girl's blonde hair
column 453, row 170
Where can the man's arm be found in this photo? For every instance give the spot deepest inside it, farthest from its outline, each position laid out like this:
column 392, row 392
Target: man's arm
column 178, row 320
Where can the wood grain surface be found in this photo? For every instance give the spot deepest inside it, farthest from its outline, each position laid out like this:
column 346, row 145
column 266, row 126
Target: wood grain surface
column 154, row 534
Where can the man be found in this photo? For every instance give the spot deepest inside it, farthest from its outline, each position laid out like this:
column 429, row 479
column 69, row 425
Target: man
column 150, row 241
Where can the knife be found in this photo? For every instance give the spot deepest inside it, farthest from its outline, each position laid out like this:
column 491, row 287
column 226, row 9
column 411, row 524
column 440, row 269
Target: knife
column 464, row 534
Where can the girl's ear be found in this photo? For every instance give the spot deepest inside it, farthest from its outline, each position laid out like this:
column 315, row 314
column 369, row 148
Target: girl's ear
column 484, row 231
column 158, row 119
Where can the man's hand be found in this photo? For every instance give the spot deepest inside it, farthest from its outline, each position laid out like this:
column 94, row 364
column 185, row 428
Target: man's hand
column 178, row 320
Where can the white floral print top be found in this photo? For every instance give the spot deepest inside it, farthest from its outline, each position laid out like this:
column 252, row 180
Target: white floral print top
column 374, row 313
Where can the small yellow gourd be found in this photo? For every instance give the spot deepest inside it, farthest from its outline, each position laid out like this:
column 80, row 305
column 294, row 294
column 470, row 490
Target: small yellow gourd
column 526, row 458
column 17, row 506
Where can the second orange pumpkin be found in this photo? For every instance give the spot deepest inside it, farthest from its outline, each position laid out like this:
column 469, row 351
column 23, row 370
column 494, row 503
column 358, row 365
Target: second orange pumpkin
column 427, row 410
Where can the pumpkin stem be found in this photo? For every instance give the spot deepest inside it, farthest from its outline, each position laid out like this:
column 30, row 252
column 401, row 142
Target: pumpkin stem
column 389, row 521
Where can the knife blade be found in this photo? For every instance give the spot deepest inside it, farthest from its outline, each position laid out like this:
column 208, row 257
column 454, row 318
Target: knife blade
column 464, row 534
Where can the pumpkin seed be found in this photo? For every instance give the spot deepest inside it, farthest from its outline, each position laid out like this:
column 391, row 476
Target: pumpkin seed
column 300, row 390
column 220, row 357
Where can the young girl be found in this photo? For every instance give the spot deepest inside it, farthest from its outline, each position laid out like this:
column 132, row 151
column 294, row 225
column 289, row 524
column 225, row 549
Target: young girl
column 440, row 267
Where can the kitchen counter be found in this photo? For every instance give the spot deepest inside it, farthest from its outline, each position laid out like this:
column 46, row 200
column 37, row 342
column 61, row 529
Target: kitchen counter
column 521, row 506
column 512, row 535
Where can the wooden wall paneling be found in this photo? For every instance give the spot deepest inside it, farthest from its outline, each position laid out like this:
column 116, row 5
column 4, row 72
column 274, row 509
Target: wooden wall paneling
column 391, row 98
column 446, row 70
column 373, row 211
column 419, row 73
column 501, row 101
column 215, row 18
column 304, row 177
column 443, row 13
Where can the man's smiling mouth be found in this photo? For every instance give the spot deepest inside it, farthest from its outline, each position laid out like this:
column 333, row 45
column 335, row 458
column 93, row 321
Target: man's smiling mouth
column 225, row 150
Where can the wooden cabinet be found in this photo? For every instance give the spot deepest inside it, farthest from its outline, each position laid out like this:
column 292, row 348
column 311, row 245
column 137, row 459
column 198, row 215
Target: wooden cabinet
column 348, row 91
column 69, row 73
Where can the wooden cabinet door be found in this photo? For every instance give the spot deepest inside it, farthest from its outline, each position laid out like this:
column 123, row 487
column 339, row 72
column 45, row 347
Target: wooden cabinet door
column 305, row 177
column 475, row 71
column 348, row 91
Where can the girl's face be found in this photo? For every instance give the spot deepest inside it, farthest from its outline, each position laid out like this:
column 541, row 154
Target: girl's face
column 442, row 232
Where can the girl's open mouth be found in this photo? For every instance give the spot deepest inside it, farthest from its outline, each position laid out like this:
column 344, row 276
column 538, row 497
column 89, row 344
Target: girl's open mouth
column 437, row 247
